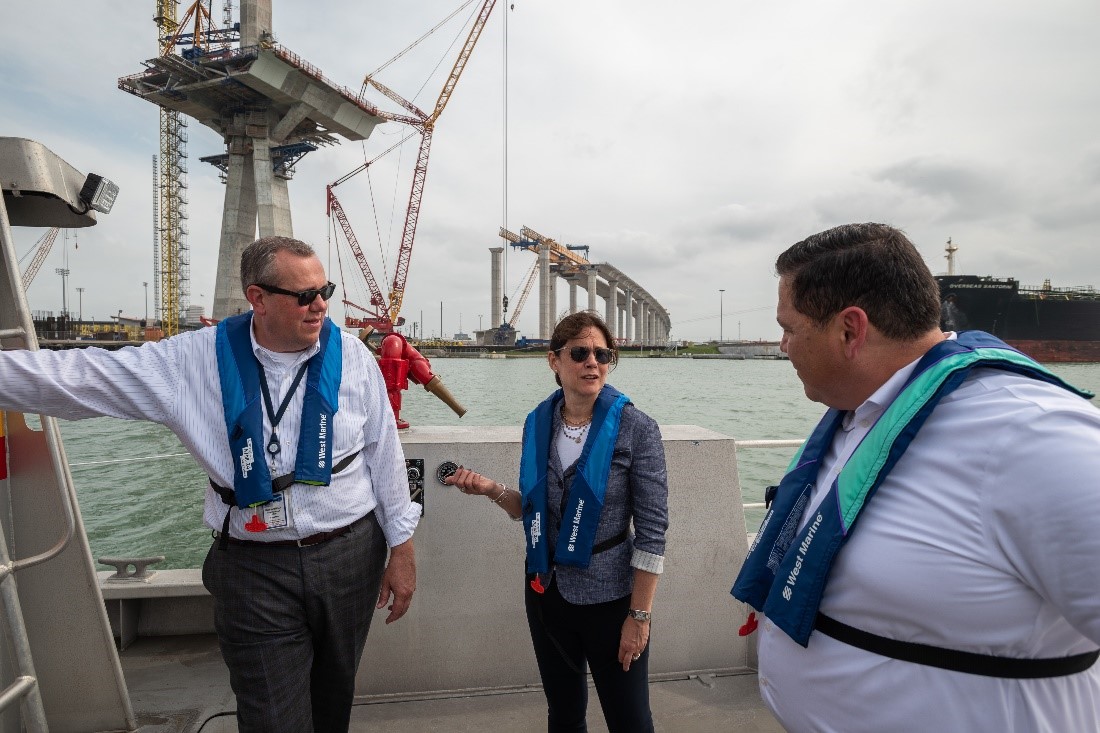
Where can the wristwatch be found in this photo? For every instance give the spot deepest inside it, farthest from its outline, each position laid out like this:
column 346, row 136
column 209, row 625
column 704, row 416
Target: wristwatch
column 640, row 615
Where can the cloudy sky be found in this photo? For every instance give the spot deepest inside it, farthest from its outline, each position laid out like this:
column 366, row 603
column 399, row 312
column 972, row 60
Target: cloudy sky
column 685, row 143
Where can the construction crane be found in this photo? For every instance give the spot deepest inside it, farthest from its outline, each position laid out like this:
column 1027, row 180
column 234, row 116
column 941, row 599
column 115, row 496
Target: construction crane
column 171, row 253
column 424, row 123
column 511, row 322
column 519, row 243
column 378, row 317
column 170, row 268
column 43, row 245
column 561, row 257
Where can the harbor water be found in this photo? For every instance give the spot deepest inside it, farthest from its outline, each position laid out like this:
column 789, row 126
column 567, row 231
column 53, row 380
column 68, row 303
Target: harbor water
column 141, row 495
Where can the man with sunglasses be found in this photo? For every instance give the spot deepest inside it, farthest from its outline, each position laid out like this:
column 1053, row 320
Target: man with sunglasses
column 289, row 418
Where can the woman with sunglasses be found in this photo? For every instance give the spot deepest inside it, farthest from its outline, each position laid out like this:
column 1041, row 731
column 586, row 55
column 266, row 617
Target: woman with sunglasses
column 592, row 466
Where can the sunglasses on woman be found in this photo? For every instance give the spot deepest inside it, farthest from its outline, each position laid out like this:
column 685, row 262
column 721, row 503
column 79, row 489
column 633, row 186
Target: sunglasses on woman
column 305, row 297
column 580, row 354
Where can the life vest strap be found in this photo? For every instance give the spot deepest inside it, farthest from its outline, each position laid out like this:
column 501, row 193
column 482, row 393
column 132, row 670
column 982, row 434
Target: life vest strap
column 987, row 665
column 282, row 483
column 611, row 542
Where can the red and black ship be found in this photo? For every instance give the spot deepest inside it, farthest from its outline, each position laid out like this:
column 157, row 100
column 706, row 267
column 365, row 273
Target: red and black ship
column 1048, row 324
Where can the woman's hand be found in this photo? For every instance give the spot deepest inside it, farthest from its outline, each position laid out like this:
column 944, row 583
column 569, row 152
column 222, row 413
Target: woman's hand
column 470, row 482
column 632, row 641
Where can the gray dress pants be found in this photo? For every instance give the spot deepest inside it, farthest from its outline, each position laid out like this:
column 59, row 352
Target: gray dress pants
column 292, row 622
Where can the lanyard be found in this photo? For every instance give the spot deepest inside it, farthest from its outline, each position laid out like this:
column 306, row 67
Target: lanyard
column 273, row 443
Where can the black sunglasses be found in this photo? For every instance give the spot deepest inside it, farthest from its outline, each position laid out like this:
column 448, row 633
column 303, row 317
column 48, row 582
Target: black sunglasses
column 580, row 354
column 305, row 297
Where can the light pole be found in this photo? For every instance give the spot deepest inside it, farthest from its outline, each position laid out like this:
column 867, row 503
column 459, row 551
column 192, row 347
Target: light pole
column 721, row 293
column 64, row 273
column 146, row 286
column 479, row 323
column 80, row 296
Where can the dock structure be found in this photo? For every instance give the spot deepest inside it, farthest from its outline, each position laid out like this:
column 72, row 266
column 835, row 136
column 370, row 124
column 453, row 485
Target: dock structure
column 634, row 316
column 271, row 107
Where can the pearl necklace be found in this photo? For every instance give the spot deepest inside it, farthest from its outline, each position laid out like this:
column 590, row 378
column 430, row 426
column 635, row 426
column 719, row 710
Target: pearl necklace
column 577, row 432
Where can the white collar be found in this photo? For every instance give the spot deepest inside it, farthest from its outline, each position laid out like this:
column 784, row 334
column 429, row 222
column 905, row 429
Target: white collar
column 280, row 360
column 873, row 407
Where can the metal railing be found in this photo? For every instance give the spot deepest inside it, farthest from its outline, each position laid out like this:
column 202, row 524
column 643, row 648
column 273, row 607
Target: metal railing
column 739, row 444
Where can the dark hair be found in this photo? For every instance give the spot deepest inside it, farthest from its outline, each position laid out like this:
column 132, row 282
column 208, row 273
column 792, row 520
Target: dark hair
column 872, row 266
column 258, row 258
column 573, row 325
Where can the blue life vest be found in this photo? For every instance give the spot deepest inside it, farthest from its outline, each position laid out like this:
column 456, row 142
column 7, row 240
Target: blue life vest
column 586, row 493
column 788, row 585
column 239, row 371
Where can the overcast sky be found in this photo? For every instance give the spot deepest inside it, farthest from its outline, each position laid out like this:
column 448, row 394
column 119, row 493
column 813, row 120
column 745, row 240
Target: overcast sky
column 685, row 143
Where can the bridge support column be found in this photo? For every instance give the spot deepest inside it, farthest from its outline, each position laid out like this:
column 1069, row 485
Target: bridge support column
column 496, row 288
column 572, row 294
column 627, row 306
column 545, row 285
column 612, row 314
column 592, row 289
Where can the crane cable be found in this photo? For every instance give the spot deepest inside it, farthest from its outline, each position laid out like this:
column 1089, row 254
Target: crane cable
column 439, row 25
column 504, row 184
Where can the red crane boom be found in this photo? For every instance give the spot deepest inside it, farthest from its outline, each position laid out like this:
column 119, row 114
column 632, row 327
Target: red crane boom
column 425, row 124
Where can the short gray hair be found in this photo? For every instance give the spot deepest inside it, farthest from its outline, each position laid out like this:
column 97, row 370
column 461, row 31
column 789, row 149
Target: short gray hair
column 258, row 258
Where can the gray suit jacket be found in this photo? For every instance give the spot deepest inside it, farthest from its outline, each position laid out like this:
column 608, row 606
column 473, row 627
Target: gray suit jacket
column 637, row 489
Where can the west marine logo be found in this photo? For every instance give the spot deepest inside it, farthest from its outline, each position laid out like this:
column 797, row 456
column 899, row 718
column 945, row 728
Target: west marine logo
column 536, row 529
column 322, row 438
column 803, row 548
column 246, row 458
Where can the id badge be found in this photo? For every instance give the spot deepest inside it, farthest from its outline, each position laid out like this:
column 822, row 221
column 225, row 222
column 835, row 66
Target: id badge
column 276, row 513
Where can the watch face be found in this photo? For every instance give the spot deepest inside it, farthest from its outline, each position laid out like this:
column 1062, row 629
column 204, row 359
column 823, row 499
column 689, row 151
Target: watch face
column 639, row 615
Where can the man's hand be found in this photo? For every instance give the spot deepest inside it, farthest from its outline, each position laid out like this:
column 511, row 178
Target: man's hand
column 399, row 580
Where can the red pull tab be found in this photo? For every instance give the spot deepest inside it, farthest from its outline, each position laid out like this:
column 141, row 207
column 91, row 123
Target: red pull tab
column 749, row 625
column 536, row 585
column 255, row 524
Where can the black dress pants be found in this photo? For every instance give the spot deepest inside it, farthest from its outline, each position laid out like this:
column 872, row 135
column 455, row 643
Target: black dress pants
column 567, row 637
column 292, row 622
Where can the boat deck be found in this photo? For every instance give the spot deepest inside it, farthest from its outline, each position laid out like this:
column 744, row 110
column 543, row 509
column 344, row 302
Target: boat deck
column 180, row 684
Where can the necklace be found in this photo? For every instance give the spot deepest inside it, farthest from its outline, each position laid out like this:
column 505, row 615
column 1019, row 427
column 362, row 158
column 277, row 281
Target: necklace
column 574, row 431
column 576, row 434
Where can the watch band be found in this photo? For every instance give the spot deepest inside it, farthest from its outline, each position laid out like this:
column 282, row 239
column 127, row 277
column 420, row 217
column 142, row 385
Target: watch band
column 639, row 615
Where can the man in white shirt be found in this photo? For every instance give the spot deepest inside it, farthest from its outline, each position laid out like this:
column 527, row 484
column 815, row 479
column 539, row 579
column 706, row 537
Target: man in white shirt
column 289, row 418
column 930, row 560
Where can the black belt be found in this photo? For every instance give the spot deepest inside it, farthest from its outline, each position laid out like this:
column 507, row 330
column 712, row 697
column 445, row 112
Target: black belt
column 313, row 539
column 987, row 665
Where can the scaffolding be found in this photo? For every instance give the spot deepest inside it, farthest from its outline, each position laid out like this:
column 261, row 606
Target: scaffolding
column 172, row 257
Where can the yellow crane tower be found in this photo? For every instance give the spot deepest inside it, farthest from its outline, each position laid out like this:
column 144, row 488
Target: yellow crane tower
column 171, row 260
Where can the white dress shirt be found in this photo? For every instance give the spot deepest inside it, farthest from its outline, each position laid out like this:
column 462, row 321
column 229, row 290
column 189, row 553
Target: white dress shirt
column 985, row 538
column 175, row 382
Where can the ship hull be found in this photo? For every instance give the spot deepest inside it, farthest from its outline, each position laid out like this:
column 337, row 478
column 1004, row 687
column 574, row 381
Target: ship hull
column 1054, row 350
column 1049, row 325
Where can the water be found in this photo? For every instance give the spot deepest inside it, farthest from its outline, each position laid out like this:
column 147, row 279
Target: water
column 154, row 507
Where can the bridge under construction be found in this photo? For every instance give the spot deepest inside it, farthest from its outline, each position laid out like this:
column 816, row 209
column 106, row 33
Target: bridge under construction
column 634, row 316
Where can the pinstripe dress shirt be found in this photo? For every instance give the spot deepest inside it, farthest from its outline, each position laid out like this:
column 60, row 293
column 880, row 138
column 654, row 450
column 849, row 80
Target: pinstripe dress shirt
column 175, row 382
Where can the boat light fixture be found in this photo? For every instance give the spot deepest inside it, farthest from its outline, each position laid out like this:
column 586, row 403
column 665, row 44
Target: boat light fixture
column 99, row 193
